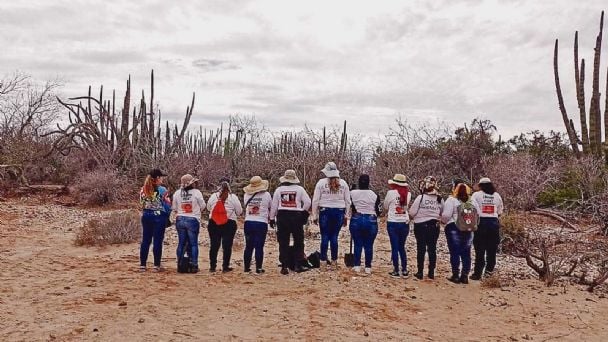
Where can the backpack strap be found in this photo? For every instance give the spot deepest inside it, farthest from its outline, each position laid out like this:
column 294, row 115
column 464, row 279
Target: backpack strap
column 250, row 198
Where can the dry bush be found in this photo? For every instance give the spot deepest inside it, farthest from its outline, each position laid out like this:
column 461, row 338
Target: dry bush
column 512, row 229
column 496, row 281
column 520, row 178
column 119, row 227
column 101, row 187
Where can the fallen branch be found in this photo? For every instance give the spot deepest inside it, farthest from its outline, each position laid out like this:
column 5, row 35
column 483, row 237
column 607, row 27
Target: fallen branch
column 554, row 216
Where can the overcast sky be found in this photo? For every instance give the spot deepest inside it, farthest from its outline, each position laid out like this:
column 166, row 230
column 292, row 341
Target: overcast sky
column 314, row 62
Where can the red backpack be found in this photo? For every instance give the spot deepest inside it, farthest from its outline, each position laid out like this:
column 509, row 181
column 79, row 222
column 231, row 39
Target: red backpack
column 219, row 214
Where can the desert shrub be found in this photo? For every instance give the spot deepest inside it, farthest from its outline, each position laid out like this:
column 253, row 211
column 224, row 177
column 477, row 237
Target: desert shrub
column 119, row 227
column 101, row 187
column 496, row 281
column 512, row 231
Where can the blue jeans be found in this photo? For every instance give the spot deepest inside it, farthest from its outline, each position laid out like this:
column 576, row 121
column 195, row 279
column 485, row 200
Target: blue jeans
column 255, row 237
column 363, row 229
column 330, row 223
column 187, row 234
column 459, row 244
column 397, row 233
column 153, row 229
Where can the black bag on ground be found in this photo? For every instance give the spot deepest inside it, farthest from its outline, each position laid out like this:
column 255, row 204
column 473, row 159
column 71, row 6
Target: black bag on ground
column 349, row 258
column 184, row 265
column 314, row 260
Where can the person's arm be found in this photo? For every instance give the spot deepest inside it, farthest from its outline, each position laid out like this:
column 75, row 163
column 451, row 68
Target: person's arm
column 306, row 202
column 316, row 197
column 448, row 210
column 500, row 207
column 387, row 201
column 378, row 206
column 211, row 202
column 275, row 205
column 347, row 200
column 236, row 203
column 415, row 206
column 476, row 202
column 174, row 202
column 200, row 200
column 268, row 199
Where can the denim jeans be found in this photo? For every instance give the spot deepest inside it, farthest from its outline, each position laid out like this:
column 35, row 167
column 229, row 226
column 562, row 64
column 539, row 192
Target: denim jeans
column 363, row 229
column 397, row 234
column 187, row 234
column 486, row 241
column 426, row 234
column 330, row 223
column 459, row 244
column 221, row 236
column 255, row 237
column 153, row 229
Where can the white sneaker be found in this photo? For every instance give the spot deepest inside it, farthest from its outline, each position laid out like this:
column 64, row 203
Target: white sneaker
column 357, row 269
column 368, row 270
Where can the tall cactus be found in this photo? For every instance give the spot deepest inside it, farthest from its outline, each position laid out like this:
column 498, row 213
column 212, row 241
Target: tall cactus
column 591, row 134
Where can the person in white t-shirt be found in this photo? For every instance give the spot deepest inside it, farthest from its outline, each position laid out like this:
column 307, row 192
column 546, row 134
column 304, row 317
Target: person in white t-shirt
column 487, row 237
column 188, row 203
column 257, row 201
column 426, row 211
column 331, row 207
column 459, row 242
column 364, row 222
column 222, row 225
column 290, row 204
column 398, row 222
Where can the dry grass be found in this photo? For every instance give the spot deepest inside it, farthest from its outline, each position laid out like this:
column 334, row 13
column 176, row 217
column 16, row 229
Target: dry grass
column 103, row 187
column 496, row 281
column 119, row 227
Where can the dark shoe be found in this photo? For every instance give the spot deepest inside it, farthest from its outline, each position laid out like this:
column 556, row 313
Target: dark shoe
column 454, row 278
column 488, row 274
column 418, row 275
column 212, row 269
column 475, row 276
column 431, row 274
column 464, row 279
column 284, row 271
column 394, row 274
column 227, row 269
column 247, row 270
column 405, row 274
column 260, row 271
column 194, row 269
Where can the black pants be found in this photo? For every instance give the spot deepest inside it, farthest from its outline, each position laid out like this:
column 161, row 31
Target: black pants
column 290, row 223
column 485, row 241
column 221, row 235
column 427, row 234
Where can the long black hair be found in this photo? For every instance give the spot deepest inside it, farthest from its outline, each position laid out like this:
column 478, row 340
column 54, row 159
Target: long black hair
column 488, row 188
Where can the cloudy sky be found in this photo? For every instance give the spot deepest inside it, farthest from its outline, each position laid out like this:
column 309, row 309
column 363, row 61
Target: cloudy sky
column 314, row 62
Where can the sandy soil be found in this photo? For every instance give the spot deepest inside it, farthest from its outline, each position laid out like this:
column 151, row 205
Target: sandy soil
column 53, row 290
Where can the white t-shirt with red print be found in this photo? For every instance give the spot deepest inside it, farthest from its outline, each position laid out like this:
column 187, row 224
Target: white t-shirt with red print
column 258, row 208
column 188, row 203
column 289, row 197
column 394, row 211
column 488, row 205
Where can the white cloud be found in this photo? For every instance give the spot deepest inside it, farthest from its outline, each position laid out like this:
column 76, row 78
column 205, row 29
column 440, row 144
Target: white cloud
column 314, row 62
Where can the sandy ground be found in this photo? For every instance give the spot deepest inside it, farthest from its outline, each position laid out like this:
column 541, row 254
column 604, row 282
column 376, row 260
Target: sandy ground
column 53, row 290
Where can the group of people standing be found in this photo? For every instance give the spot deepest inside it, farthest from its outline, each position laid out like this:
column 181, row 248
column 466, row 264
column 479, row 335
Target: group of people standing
column 332, row 205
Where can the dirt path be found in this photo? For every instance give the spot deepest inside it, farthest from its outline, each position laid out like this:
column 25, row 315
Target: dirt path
column 53, row 290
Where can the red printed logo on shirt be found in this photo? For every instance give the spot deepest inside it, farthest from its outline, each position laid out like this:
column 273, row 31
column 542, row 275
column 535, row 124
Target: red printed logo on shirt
column 288, row 199
column 487, row 209
column 187, row 208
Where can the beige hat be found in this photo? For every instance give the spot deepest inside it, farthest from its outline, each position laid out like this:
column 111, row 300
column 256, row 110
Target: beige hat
column 289, row 177
column 256, row 184
column 398, row 179
column 188, row 180
column 331, row 170
column 485, row 180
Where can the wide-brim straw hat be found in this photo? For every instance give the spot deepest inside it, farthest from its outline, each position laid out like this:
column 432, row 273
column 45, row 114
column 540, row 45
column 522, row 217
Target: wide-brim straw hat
column 485, row 180
column 398, row 179
column 188, row 180
column 289, row 177
column 331, row 170
column 256, row 184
